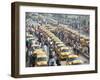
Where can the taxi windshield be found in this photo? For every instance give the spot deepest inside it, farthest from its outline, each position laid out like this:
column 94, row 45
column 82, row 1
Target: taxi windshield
column 71, row 59
column 65, row 50
column 42, row 59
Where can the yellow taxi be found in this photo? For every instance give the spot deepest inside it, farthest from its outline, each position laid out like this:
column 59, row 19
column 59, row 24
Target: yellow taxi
column 64, row 52
column 58, row 42
column 42, row 60
column 84, row 41
column 60, row 45
column 41, row 57
column 73, row 60
column 38, row 51
column 51, row 35
column 72, row 56
column 56, row 39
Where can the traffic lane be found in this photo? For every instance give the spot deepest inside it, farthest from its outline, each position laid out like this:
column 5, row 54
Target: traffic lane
column 83, row 58
column 63, row 62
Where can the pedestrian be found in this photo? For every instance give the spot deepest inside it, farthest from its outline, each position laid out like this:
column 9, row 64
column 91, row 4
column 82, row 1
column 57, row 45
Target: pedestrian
column 51, row 60
column 57, row 60
column 32, row 60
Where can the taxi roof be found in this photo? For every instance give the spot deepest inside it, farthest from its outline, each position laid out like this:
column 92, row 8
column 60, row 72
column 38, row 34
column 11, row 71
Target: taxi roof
column 38, row 51
column 61, row 44
column 42, row 55
column 72, row 56
column 65, row 47
column 58, row 42
column 77, row 61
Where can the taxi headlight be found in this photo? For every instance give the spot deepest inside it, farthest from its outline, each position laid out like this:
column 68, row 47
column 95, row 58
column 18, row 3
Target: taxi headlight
column 70, row 63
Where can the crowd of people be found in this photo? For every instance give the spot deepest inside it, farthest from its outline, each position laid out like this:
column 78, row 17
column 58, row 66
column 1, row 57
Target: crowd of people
column 45, row 43
column 41, row 39
column 48, row 46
